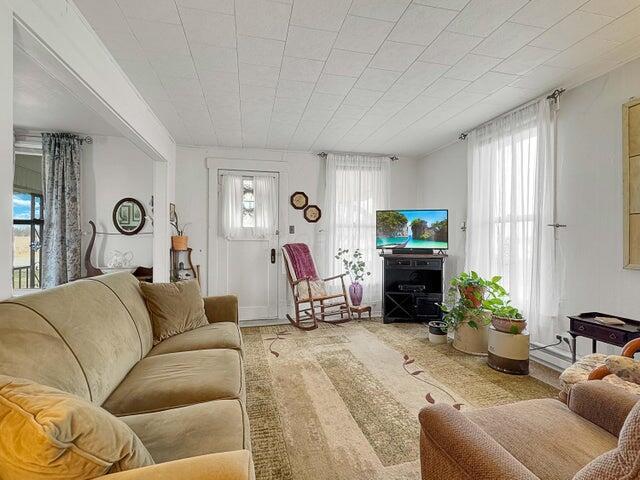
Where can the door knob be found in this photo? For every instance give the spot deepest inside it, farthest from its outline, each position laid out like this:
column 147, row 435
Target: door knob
column 273, row 255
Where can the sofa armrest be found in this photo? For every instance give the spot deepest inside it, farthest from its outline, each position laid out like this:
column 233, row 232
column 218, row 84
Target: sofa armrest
column 223, row 308
column 217, row 466
column 601, row 403
column 453, row 447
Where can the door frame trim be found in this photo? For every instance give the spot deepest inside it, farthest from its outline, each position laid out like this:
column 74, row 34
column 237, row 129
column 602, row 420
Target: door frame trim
column 214, row 165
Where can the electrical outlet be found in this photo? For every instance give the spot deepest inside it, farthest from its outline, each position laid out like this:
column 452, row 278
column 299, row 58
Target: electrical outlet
column 292, row 229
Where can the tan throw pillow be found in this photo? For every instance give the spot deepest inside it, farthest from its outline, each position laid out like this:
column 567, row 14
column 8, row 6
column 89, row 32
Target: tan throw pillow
column 624, row 367
column 174, row 307
column 47, row 433
column 623, row 462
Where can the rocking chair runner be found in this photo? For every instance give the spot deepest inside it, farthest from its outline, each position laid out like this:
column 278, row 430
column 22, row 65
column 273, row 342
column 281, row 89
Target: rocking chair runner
column 308, row 289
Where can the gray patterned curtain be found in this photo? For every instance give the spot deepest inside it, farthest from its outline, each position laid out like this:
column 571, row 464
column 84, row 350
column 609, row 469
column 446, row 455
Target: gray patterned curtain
column 61, row 188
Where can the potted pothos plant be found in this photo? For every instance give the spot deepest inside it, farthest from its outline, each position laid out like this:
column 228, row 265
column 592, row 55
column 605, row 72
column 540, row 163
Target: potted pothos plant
column 504, row 316
column 356, row 267
column 474, row 288
column 464, row 311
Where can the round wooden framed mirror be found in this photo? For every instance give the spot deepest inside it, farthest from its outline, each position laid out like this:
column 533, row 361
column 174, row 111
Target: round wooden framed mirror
column 129, row 216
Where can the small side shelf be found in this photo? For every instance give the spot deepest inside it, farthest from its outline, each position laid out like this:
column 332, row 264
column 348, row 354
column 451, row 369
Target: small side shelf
column 182, row 267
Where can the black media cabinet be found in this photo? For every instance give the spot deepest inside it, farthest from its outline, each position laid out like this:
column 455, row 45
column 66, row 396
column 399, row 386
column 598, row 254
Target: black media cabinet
column 412, row 286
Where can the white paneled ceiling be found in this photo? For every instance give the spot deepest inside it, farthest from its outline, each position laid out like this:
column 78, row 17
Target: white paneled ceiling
column 388, row 76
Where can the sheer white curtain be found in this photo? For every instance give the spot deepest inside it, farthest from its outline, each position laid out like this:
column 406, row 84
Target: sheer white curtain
column 511, row 173
column 356, row 186
column 248, row 206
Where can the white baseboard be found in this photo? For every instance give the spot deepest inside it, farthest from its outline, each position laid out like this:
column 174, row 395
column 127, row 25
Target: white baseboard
column 553, row 358
column 263, row 322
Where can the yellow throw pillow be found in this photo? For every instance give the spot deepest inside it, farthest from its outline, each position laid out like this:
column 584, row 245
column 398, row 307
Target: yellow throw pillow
column 48, row 433
column 174, row 307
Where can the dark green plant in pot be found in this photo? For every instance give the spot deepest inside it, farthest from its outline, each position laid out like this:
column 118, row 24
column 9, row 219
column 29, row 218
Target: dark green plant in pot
column 505, row 317
column 465, row 297
column 474, row 288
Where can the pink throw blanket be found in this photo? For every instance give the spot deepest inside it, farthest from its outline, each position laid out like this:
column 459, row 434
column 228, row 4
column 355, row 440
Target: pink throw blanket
column 301, row 260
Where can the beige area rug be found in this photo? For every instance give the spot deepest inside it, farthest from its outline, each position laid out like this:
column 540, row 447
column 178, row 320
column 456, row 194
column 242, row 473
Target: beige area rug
column 341, row 402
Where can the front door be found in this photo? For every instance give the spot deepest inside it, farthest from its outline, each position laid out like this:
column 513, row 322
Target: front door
column 248, row 241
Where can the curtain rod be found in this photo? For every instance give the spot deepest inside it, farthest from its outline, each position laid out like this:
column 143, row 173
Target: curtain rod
column 393, row 158
column 555, row 95
column 38, row 135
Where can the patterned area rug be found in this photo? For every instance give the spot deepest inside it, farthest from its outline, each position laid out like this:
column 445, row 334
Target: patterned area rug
column 341, row 402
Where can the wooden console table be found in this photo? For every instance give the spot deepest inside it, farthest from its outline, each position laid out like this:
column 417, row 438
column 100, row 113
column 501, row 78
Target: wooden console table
column 585, row 325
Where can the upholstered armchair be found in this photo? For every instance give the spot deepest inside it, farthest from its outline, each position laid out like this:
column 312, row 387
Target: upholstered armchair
column 543, row 439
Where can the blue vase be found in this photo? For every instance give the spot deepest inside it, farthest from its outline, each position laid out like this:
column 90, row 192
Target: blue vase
column 355, row 292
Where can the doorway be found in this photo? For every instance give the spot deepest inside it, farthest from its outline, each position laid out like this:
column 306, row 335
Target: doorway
column 245, row 221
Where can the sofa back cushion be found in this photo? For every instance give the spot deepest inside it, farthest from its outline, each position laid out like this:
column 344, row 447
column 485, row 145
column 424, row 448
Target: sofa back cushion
column 48, row 433
column 30, row 347
column 93, row 324
column 622, row 462
column 127, row 288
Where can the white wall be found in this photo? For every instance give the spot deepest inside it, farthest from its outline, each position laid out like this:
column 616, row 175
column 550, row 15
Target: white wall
column 6, row 149
column 403, row 184
column 442, row 183
column 305, row 174
column 589, row 196
column 114, row 168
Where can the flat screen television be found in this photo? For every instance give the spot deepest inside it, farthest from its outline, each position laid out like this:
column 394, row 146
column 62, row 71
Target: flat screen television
column 412, row 229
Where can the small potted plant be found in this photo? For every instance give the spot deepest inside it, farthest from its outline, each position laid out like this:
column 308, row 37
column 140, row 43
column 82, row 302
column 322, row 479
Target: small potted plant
column 437, row 332
column 356, row 268
column 179, row 241
column 504, row 316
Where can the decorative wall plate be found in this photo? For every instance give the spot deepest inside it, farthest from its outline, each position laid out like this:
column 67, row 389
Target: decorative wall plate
column 312, row 213
column 299, row 200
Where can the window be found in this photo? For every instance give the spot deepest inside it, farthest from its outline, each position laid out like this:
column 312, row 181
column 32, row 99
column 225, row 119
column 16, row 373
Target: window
column 248, row 202
column 356, row 186
column 511, row 169
column 27, row 234
column 248, row 205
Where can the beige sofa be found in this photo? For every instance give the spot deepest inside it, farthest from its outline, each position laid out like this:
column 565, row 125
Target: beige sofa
column 530, row 440
column 184, row 398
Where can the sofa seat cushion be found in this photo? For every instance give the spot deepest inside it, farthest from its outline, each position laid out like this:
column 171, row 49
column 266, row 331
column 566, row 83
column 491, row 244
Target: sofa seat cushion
column 545, row 436
column 178, row 379
column 215, row 335
column 210, row 427
column 48, row 433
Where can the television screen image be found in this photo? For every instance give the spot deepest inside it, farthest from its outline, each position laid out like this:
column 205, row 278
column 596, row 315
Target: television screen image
column 412, row 229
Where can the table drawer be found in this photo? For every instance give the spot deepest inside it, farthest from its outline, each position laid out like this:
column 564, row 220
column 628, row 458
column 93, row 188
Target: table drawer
column 428, row 263
column 597, row 332
column 398, row 262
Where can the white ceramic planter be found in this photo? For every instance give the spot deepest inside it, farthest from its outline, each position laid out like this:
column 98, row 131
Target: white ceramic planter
column 470, row 340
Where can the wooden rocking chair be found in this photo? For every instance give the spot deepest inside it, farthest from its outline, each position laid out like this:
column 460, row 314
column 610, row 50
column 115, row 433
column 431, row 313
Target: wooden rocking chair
column 310, row 297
